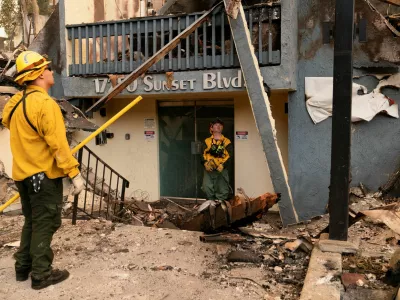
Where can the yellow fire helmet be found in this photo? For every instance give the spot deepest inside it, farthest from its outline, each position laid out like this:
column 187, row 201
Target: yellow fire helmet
column 29, row 66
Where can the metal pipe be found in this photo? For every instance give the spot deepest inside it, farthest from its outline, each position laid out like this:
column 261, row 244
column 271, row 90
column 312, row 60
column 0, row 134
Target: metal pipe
column 213, row 44
column 76, row 197
column 94, row 60
column 115, row 48
column 87, row 50
column 196, row 45
column 222, row 16
column 123, row 51
column 87, row 140
column 80, row 49
column 73, row 52
column 108, row 194
column 187, row 45
column 171, row 31
column 87, row 181
column 195, row 141
column 162, row 43
column 139, row 42
column 179, row 45
column 95, row 184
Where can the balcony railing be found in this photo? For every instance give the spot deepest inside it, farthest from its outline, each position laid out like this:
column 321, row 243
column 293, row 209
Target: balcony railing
column 121, row 46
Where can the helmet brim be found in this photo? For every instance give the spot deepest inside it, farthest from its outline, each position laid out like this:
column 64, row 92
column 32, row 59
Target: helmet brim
column 20, row 76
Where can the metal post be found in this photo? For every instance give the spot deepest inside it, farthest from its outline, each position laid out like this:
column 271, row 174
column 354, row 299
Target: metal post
column 261, row 109
column 341, row 120
column 121, row 206
column 76, row 197
column 196, row 155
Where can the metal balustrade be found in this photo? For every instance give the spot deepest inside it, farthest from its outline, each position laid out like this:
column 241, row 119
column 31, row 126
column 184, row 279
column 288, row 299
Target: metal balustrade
column 119, row 47
column 104, row 192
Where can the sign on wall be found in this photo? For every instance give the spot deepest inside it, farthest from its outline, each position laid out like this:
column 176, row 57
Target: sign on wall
column 209, row 81
column 149, row 123
column 149, row 135
column 242, row 135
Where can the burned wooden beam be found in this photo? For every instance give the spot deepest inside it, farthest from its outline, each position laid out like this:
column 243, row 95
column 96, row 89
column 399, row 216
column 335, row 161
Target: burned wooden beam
column 394, row 2
column 238, row 209
column 232, row 8
column 262, row 114
column 221, row 237
column 152, row 60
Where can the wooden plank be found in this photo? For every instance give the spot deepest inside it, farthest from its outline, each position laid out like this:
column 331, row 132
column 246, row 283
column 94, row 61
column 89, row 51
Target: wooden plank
column 8, row 90
column 262, row 114
column 152, row 60
column 394, row 2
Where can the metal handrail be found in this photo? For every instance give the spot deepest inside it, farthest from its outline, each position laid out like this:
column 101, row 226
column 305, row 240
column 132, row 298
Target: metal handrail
column 104, row 163
column 116, row 203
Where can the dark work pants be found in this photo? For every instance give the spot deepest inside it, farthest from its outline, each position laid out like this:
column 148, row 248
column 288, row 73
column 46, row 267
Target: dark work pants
column 216, row 185
column 42, row 212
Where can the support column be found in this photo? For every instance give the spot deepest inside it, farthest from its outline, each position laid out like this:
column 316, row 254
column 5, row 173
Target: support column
column 341, row 120
column 262, row 113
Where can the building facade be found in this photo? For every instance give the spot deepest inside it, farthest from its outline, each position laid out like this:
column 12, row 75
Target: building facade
column 155, row 145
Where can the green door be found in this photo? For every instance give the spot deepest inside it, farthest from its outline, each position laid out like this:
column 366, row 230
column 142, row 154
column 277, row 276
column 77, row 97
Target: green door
column 183, row 128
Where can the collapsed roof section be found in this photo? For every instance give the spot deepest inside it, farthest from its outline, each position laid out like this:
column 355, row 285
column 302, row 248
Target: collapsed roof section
column 74, row 118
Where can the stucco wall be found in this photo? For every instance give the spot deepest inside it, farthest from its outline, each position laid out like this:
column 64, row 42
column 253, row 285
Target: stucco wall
column 251, row 167
column 278, row 100
column 135, row 159
column 375, row 145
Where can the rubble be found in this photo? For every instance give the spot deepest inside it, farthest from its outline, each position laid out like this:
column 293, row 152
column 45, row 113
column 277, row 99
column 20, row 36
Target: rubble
column 102, row 256
column 338, row 246
column 244, row 256
column 74, row 118
column 229, row 238
column 7, row 185
column 390, row 215
column 260, row 258
column 167, row 212
column 13, row 244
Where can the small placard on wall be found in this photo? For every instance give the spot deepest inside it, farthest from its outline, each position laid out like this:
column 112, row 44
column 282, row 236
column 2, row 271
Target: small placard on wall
column 149, row 123
column 242, row 135
column 149, row 135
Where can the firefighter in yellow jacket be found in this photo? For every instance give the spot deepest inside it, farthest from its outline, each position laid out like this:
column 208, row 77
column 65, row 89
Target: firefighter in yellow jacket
column 41, row 158
column 217, row 154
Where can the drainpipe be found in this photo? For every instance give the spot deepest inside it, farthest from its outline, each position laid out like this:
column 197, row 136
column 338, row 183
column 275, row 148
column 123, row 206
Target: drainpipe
column 341, row 120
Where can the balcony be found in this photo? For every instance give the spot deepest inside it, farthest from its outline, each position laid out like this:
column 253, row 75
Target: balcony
column 119, row 47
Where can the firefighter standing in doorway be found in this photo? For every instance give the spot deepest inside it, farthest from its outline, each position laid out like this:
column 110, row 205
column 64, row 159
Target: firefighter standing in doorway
column 41, row 158
column 217, row 154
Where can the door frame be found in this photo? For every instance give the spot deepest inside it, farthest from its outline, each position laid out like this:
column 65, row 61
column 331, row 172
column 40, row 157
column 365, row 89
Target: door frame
column 194, row 104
